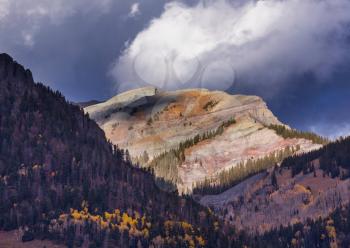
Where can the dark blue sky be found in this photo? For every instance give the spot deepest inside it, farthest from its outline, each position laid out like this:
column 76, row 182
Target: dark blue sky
column 74, row 48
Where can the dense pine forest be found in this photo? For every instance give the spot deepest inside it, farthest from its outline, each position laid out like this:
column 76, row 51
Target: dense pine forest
column 333, row 159
column 60, row 179
column 55, row 161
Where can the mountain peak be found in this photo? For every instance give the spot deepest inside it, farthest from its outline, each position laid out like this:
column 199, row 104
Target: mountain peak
column 215, row 130
column 5, row 57
column 133, row 94
column 11, row 70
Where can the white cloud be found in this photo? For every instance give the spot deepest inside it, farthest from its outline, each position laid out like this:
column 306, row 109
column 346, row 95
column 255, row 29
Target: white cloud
column 134, row 10
column 260, row 41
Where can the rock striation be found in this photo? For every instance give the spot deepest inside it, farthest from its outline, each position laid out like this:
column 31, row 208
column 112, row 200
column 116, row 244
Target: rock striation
column 155, row 121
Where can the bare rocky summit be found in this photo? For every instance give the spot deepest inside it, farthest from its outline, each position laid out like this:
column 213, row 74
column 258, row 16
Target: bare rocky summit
column 155, row 121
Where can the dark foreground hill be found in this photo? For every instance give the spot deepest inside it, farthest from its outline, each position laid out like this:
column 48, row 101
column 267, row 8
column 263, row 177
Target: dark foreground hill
column 61, row 179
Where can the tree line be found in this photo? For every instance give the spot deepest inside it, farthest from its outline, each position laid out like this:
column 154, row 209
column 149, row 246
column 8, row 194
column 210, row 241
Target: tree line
column 238, row 173
column 288, row 133
column 166, row 164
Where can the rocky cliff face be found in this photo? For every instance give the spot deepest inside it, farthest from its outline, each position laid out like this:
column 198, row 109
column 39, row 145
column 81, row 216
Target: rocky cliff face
column 155, row 121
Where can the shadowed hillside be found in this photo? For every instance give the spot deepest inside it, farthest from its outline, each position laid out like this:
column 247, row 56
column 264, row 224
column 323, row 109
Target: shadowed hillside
column 61, row 179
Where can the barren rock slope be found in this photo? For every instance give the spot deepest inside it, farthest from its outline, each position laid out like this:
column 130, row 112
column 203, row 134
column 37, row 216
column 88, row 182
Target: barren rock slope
column 155, row 121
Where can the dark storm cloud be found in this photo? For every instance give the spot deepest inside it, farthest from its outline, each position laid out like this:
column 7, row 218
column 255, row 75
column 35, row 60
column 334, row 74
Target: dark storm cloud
column 302, row 70
column 306, row 103
column 71, row 45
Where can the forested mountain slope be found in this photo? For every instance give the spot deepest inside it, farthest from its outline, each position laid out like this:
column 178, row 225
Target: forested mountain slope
column 306, row 187
column 61, row 179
